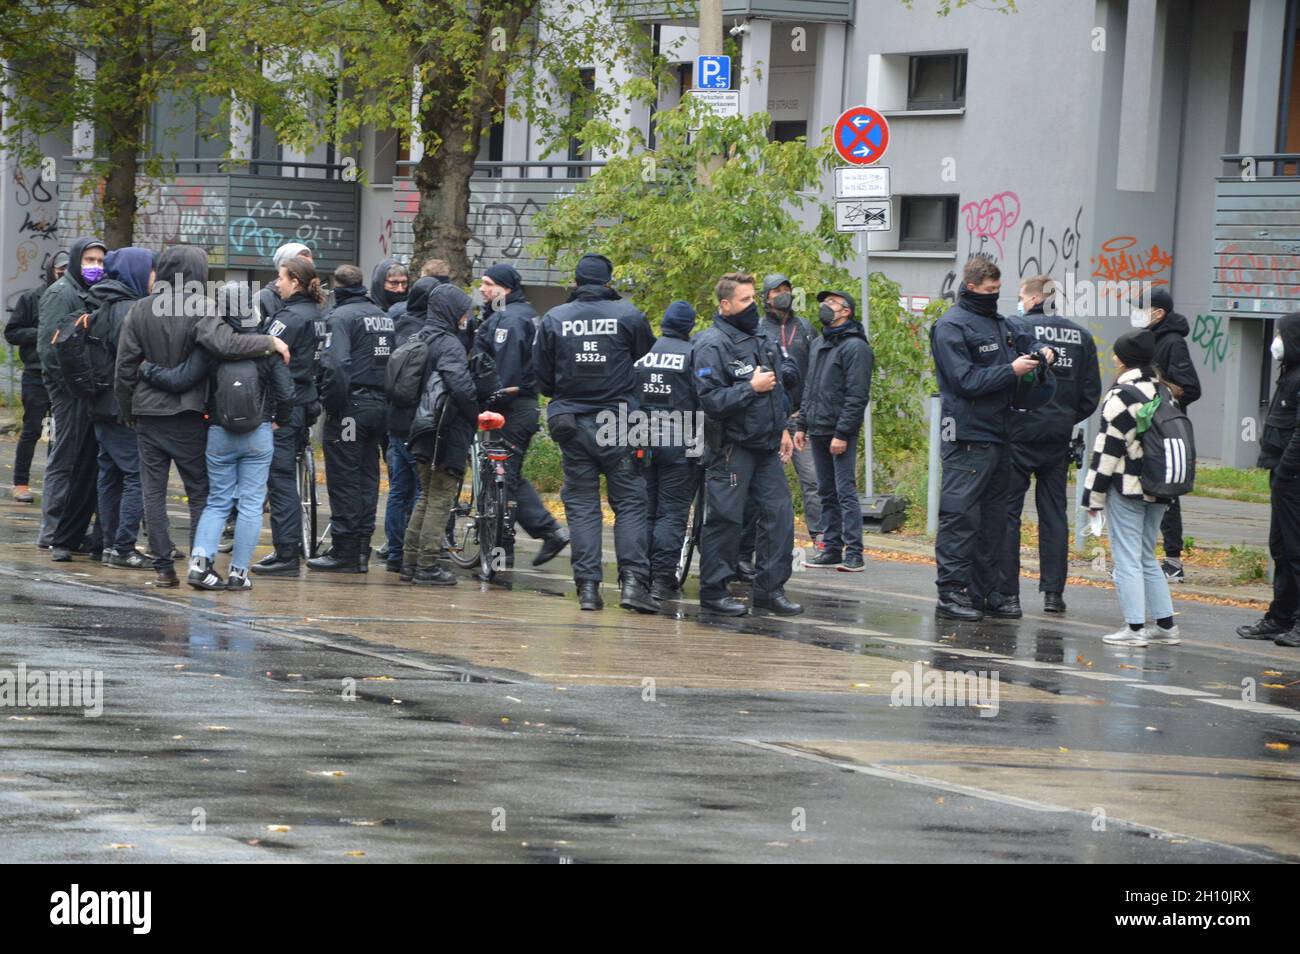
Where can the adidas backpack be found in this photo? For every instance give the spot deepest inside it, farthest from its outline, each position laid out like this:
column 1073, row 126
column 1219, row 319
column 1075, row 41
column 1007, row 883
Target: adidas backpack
column 1168, row 446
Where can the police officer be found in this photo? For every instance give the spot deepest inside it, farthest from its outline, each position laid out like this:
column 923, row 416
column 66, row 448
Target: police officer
column 506, row 335
column 1040, row 443
column 583, row 361
column 359, row 339
column 667, row 393
column 978, row 359
column 267, row 302
column 297, row 322
column 739, row 381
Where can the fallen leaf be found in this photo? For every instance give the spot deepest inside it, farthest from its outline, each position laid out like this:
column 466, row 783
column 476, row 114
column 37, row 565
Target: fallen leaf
column 278, row 828
column 377, row 679
column 1061, row 748
column 217, row 728
column 335, row 773
column 354, row 854
column 119, row 845
column 1277, row 746
column 1271, row 685
column 1152, row 728
column 1271, row 672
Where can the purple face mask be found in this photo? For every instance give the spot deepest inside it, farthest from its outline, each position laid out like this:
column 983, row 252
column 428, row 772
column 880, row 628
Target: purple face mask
column 92, row 273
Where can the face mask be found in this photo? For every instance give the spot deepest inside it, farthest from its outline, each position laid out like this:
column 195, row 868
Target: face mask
column 982, row 303
column 747, row 320
column 783, row 301
column 827, row 314
column 92, row 273
column 1277, row 349
column 1020, row 308
column 1139, row 318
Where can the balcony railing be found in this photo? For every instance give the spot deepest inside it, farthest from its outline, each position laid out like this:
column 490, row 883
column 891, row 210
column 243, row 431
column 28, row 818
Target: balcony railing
column 1257, row 236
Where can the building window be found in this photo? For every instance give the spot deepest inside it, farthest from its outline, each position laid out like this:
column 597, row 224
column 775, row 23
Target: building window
column 928, row 223
column 789, row 130
column 587, row 78
column 936, row 81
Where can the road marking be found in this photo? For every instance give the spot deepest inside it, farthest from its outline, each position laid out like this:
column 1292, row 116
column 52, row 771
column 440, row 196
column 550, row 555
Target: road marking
column 1172, row 690
column 1261, row 708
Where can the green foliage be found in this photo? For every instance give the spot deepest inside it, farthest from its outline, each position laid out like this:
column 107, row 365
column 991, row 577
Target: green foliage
column 1248, row 483
column 1248, row 563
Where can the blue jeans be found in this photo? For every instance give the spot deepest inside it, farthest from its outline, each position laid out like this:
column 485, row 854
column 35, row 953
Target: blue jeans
column 1139, row 581
column 238, row 467
column 120, row 501
column 403, row 492
column 837, row 487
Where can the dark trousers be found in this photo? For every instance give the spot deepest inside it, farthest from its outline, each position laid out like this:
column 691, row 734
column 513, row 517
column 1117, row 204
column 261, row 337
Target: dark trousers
column 73, row 460
column 585, row 460
column 1284, row 547
column 36, row 404
column 522, row 421
column 837, row 488
column 1047, row 465
column 121, row 503
column 181, row 439
column 282, row 484
column 1171, row 529
column 670, row 479
column 404, row 489
column 972, row 516
column 733, row 476
column 352, row 445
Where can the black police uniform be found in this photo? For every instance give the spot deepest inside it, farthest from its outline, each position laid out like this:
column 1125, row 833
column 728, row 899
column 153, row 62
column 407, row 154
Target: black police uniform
column 297, row 321
column 973, row 348
column 1280, row 453
column 1040, row 448
column 359, row 340
column 742, row 461
column 507, row 336
column 583, row 361
column 666, row 390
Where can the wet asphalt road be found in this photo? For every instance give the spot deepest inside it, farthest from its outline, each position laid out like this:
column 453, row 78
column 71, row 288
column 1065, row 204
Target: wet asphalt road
column 358, row 719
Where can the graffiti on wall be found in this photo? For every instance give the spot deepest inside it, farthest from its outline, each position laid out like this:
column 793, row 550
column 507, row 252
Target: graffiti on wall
column 1120, row 261
column 994, row 228
column 181, row 213
column 31, row 244
column 265, row 227
column 1208, row 332
column 1253, row 275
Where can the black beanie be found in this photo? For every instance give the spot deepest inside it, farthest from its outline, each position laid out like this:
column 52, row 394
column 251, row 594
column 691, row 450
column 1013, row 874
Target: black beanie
column 679, row 320
column 1136, row 348
column 593, row 269
column 504, row 275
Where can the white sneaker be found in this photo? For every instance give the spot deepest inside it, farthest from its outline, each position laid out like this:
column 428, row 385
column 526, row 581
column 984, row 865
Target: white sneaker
column 1165, row 637
column 1126, row 637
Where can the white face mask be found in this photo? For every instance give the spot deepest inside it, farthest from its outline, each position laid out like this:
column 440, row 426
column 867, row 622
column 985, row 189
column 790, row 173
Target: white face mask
column 1139, row 318
column 1277, row 349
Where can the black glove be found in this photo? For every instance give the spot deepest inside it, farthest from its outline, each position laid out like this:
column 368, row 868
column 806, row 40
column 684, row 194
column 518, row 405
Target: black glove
column 312, row 411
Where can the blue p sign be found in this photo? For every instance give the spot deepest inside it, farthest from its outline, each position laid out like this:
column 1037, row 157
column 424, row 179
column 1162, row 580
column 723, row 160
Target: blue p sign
column 713, row 72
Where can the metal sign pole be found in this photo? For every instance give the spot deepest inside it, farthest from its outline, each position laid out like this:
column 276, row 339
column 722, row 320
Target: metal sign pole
column 869, row 483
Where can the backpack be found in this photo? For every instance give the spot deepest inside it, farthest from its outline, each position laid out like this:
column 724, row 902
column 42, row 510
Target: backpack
column 1168, row 446
column 72, row 349
column 404, row 372
column 237, row 400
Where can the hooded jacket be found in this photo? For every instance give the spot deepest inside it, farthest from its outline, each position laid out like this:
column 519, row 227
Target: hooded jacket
column 1279, row 446
column 158, row 329
column 444, row 421
column 62, row 304
column 839, row 382
column 110, row 300
column 972, row 360
column 725, row 359
column 1173, row 359
column 408, row 317
column 585, row 351
column 359, row 339
column 378, row 294
column 1078, row 380
column 507, row 335
column 24, row 323
column 793, row 335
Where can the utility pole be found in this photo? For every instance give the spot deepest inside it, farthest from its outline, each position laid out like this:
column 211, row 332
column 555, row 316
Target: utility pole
column 710, row 45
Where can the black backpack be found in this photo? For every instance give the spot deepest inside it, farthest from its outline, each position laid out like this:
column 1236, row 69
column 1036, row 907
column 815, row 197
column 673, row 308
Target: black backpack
column 1168, row 445
column 404, row 372
column 238, row 396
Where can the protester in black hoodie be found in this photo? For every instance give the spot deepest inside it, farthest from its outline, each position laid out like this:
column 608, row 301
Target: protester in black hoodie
column 1279, row 452
column 439, row 437
column 1174, row 361
column 130, row 275
column 68, row 500
column 506, row 336
column 21, row 332
column 164, row 329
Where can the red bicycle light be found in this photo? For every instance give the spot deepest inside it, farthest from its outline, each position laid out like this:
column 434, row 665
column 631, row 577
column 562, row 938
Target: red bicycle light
column 491, row 421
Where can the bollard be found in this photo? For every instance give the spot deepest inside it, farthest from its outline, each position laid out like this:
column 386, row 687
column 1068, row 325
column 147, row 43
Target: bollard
column 932, row 489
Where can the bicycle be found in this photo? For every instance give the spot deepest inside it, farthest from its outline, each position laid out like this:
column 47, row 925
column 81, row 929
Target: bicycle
column 483, row 528
column 305, row 476
column 694, row 525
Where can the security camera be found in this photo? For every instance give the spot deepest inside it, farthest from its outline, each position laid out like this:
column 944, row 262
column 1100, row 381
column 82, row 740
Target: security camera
column 740, row 29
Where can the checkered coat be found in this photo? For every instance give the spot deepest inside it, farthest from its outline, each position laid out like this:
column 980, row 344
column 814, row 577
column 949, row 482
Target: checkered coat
column 1117, row 452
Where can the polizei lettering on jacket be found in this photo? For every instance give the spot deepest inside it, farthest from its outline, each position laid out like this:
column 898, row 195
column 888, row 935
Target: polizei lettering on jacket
column 665, row 361
column 1058, row 335
column 378, row 323
column 582, row 327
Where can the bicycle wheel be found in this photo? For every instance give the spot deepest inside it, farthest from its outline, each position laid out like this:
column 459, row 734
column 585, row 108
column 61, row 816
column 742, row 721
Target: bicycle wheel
column 463, row 527
column 694, row 524
column 492, row 530
column 307, row 499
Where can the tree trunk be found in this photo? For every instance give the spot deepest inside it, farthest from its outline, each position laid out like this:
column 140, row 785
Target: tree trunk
column 120, row 198
column 442, row 177
column 122, row 104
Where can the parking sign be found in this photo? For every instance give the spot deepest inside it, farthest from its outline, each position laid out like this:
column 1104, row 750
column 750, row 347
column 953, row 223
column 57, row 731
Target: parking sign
column 713, row 72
